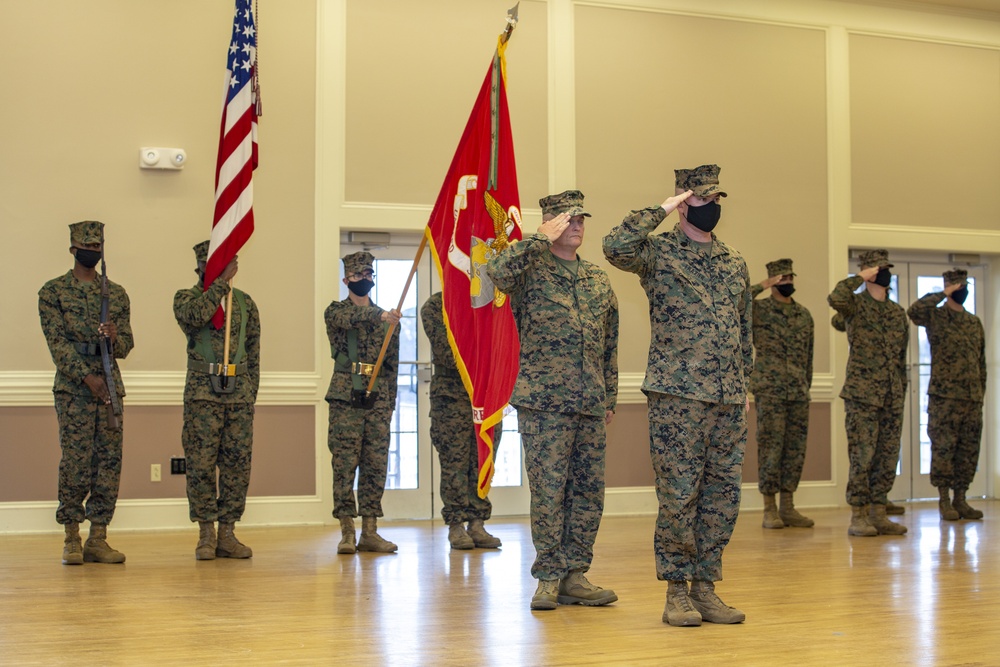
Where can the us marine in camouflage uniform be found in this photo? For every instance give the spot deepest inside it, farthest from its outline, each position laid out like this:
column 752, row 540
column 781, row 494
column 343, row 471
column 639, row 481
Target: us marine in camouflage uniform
column 359, row 437
column 453, row 434
column 783, row 336
column 699, row 366
column 218, row 420
column 874, row 391
column 565, row 394
column 838, row 323
column 956, row 391
column 70, row 310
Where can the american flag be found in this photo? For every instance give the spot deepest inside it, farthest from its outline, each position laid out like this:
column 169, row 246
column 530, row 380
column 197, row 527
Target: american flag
column 233, row 221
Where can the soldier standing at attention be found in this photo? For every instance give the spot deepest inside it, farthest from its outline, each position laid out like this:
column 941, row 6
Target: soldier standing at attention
column 783, row 339
column 700, row 361
column 874, row 391
column 956, row 391
column 359, row 436
column 70, row 310
column 218, row 418
column 565, row 394
column 454, row 436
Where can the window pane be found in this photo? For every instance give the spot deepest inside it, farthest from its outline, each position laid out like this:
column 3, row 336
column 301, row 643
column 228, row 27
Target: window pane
column 507, row 458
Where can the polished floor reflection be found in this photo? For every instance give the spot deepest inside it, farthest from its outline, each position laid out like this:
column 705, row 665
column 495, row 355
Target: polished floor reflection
column 812, row 597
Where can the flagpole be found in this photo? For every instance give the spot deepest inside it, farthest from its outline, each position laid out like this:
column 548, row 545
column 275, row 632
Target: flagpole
column 229, row 324
column 399, row 308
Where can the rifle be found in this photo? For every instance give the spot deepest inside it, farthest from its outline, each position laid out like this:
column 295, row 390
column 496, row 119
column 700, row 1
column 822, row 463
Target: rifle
column 107, row 352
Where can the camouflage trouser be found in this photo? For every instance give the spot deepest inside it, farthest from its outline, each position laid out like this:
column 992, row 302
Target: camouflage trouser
column 873, row 434
column 564, row 457
column 217, row 435
column 91, row 462
column 782, row 427
column 454, row 436
column 359, row 443
column 697, row 451
column 955, row 428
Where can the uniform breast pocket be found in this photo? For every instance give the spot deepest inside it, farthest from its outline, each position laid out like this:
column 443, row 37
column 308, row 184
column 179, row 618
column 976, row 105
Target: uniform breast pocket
column 733, row 287
column 557, row 300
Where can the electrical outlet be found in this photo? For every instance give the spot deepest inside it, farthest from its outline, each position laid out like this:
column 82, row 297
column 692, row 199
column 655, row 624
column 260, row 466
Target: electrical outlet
column 154, row 472
column 178, row 465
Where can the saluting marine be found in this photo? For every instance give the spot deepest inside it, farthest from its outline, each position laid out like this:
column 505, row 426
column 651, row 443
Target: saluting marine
column 565, row 394
column 874, row 390
column 697, row 375
column 956, row 391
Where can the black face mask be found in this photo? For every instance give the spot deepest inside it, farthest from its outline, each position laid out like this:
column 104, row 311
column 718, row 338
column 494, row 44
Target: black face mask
column 705, row 217
column 786, row 290
column 960, row 295
column 361, row 287
column 884, row 277
column 88, row 258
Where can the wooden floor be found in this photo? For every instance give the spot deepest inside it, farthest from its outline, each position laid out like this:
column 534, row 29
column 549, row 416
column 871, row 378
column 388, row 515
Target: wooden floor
column 812, row 597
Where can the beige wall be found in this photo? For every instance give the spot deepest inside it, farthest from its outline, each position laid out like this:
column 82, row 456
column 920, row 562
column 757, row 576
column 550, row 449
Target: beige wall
column 837, row 125
column 88, row 85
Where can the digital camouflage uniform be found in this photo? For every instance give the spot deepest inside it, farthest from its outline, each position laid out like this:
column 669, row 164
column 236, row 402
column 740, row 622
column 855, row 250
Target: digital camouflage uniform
column 875, row 387
column 783, row 337
column 218, row 427
column 957, row 387
column 697, row 375
column 453, row 433
column 568, row 379
column 359, row 438
column 91, row 463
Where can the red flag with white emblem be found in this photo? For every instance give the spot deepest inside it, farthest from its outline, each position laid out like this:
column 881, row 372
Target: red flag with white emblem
column 476, row 215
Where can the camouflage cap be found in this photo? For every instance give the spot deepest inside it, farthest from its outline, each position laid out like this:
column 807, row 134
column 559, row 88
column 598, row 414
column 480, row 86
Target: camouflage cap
column 358, row 262
column 879, row 258
column 201, row 251
column 779, row 267
column 955, row 276
column 703, row 181
column 570, row 202
column 87, row 231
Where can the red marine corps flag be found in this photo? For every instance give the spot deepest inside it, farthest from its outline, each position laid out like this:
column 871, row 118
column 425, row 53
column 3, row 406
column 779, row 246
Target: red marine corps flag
column 233, row 221
column 476, row 215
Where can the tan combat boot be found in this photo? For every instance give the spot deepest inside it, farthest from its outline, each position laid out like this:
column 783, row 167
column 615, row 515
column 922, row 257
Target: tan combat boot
column 860, row 525
column 679, row 610
column 480, row 537
column 789, row 515
column 575, row 589
column 72, row 548
column 371, row 540
column 207, row 541
column 878, row 519
column 348, row 538
column 96, row 548
column 546, row 594
column 458, row 538
column 711, row 608
column 892, row 508
column 771, row 518
column 228, row 546
column 963, row 508
column 948, row 513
